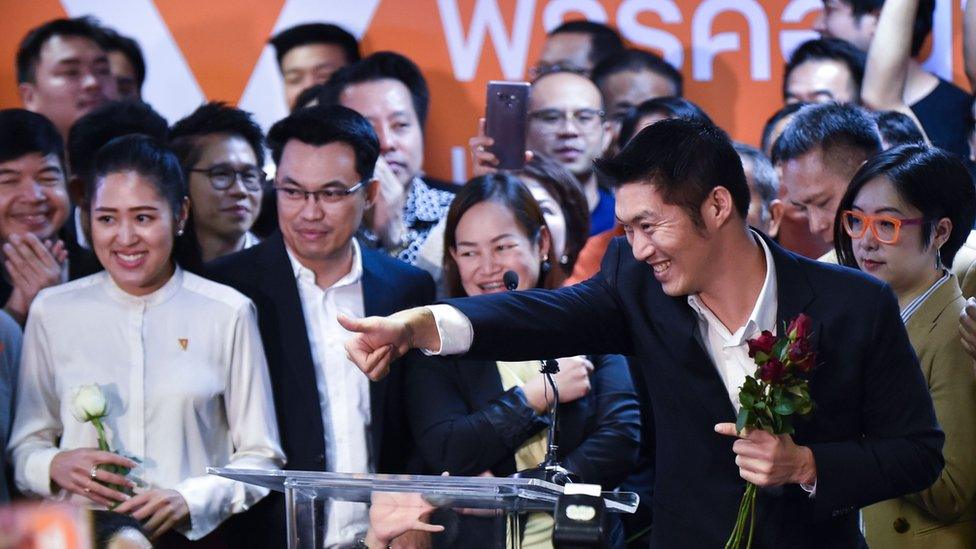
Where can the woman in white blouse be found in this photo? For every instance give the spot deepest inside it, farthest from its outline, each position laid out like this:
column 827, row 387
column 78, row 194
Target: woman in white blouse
column 178, row 357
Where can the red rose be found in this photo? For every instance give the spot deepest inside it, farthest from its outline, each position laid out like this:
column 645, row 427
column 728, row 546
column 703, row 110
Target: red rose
column 802, row 355
column 764, row 343
column 800, row 327
column 772, row 371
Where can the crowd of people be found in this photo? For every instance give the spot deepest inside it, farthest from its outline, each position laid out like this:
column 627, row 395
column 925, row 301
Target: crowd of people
column 229, row 310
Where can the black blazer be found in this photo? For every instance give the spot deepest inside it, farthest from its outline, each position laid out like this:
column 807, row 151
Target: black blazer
column 264, row 274
column 874, row 434
column 465, row 423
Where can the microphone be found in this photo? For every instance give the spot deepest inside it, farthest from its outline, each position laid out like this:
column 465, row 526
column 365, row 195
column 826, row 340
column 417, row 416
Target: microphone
column 550, row 470
column 511, row 280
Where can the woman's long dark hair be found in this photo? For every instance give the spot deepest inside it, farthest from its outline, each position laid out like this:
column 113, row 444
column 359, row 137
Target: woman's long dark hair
column 153, row 161
column 931, row 180
column 511, row 193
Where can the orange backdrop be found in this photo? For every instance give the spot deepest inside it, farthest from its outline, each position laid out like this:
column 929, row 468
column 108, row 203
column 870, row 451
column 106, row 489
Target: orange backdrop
column 221, row 41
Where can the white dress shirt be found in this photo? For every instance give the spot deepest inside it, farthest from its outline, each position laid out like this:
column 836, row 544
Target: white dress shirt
column 343, row 389
column 186, row 381
column 730, row 351
column 250, row 239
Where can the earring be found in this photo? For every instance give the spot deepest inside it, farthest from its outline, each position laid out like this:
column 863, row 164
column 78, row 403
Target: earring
column 564, row 259
column 545, row 267
column 179, row 231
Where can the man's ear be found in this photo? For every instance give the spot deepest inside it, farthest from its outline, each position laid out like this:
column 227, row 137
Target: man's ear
column 27, row 93
column 776, row 211
column 608, row 135
column 372, row 187
column 717, row 207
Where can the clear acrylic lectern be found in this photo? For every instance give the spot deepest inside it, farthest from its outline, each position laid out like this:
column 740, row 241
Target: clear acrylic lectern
column 306, row 494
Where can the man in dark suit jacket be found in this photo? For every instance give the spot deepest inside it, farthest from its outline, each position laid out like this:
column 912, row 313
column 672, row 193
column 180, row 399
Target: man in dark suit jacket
column 683, row 294
column 300, row 279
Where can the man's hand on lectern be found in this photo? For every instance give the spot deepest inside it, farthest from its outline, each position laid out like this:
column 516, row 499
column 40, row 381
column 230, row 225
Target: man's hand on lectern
column 378, row 341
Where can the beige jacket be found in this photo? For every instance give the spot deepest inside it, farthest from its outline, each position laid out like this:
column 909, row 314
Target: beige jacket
column 944, row 516
column 964, row 266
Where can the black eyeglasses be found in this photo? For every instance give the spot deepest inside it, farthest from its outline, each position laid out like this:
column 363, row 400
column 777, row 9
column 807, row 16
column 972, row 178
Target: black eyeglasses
column 222, row 177
column 296, row 195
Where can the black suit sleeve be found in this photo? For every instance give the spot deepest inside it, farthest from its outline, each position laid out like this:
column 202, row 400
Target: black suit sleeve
column 901, row 451
column 451, row 437
column 585, row 319
column 609, row 453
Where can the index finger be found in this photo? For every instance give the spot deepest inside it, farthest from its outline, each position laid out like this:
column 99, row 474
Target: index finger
column 37, row 248
column 729, row 429
column 101, row 456
column 132, row 503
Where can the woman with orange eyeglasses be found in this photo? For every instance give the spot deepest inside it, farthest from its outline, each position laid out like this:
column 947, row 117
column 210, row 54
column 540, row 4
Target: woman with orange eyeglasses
column 903, row 218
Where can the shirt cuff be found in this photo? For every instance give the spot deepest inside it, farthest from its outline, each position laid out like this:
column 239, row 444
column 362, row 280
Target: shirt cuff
column 454, row 330
column 810, row 488
column 37, row 471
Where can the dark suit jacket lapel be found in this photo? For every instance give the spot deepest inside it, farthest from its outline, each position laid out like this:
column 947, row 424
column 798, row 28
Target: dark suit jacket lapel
column 279, row 278
column 379, row 299
column 793, row 291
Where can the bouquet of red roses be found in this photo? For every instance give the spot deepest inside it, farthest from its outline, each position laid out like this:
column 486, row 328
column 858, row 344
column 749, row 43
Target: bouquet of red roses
column 770, row 399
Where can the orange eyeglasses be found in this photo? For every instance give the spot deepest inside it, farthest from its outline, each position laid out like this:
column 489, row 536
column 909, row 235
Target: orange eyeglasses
column 885, row 228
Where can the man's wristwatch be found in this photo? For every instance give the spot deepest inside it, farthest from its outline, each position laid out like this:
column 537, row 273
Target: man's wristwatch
column 361, row 544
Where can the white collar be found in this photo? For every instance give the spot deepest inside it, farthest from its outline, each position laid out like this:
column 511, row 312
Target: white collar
column 763, row 316
column 162, row 294
column 352, row 277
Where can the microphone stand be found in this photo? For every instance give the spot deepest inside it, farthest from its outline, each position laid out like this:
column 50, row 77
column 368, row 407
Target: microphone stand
column 550, row 470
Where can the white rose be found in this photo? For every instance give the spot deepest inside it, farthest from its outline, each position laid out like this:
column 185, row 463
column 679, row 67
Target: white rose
column 89, row 403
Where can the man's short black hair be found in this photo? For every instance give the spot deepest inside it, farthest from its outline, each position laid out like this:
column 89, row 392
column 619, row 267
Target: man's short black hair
column 669, row 107
column 115, row 119
column 828, row 49
column 685, row 159
column 638, row 60
column 380, row 66
column 845, row 134
column 131, row 50
column 767, row 132
column 920, row 29
column 324, row 124
column 604, row 39
column 209, row 119
column 315, row 33
column 897, row 128
column 29, row 51
column 23, row 132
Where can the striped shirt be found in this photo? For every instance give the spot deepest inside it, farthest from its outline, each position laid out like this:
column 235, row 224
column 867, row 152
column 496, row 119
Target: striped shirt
column 910, row 309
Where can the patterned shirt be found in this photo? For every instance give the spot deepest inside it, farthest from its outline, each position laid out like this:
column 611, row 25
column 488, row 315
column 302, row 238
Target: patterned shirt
column 424, row 207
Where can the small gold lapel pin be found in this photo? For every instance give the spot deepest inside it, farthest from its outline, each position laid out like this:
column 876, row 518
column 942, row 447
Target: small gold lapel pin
column 183, row 343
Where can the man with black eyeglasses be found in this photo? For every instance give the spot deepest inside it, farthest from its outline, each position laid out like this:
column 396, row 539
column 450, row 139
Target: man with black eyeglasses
column 567, row 123
column 331, row 418
column 221, row 151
